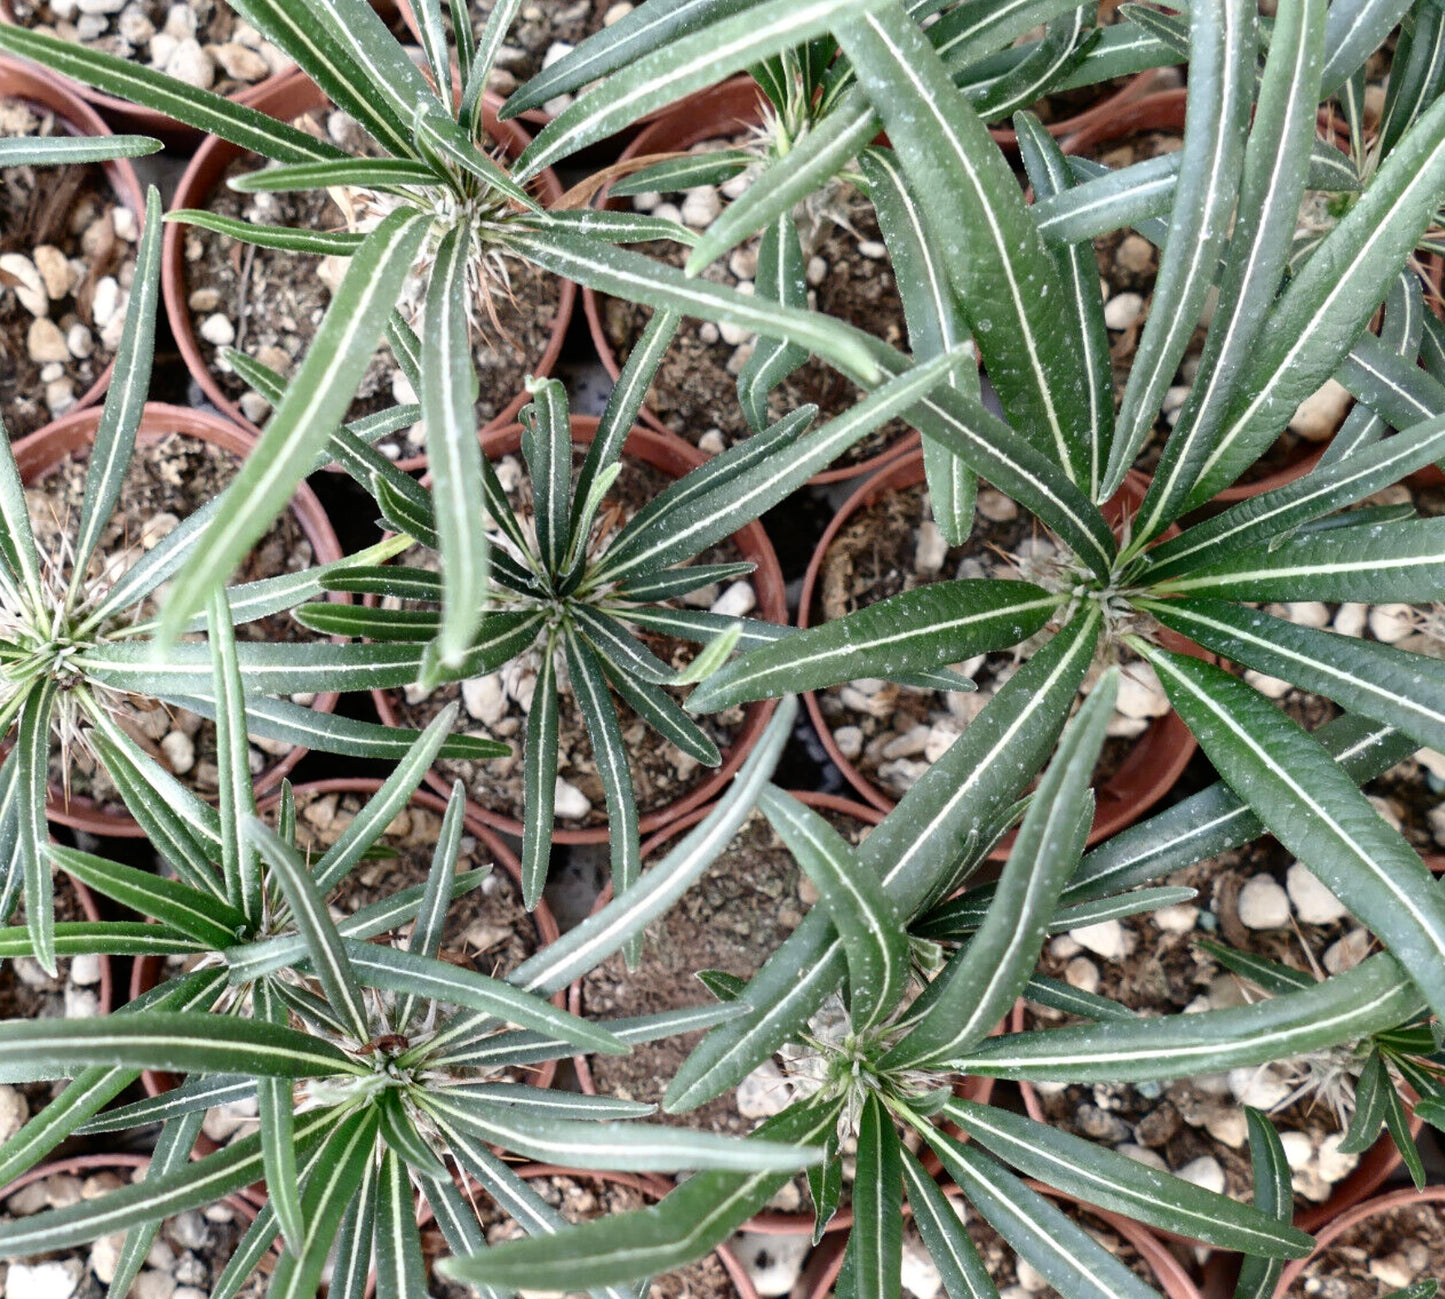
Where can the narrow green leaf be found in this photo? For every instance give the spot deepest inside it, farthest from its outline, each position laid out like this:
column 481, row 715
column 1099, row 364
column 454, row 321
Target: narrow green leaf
column 876, row 1242
column 539, row 789
column 32, row 757
column 66, row 150
column 278, row 1132
column 953, row 1252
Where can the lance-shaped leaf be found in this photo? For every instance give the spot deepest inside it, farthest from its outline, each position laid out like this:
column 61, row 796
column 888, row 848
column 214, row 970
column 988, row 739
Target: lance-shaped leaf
column 876, row 1241
column 539, row 776
column 686, row 64
column 922, row 851
column 448, row 391
column 322, row 243
column 1100, row 1176
column 1004, row 278
column 192, row 1096
column 928, row 627
column 1355, row 30
column 1315, row 811
column 544, row 1103
column 1326, row 305
column 1416, row 69
column 124, row 399
column 1258, row 1275
column 66, row 150
column 625, row 1247
column 314, row 923
column 426, row 933
column 963, row 1004
column 32, row 758
column 1221, row 72
column 1369, row 1116
column 278, row 1132
column 399, row 1270
column 314, row 404
column 240, row 864
column 949, row 1246
column 1073, row 1262
column 1391, row 685
column 179, row 1041
column 1373, row 996
column 1395, row 561
column 874, row 939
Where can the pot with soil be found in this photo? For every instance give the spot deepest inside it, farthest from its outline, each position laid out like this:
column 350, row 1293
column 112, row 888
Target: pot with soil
column 187, row 1259
column 220, row 293
column 667, row 783
column 580, row 1197
column 1378, row 1247
column 204, row 43
column 694, row 394
column 883, row 737
column 183, row 459
column 67, row 253
column 1259, row 901
column 1131, row 1243
column 487, row 929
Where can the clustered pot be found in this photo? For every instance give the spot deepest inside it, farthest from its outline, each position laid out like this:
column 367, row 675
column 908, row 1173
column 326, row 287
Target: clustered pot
column 287, row 98
column 41, row 453
column 32, row 85
column 673, row 458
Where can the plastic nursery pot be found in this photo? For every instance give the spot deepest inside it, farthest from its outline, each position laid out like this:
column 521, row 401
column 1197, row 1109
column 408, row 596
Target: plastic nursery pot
column 723, row 110
column 1165, row 111
column 1431, row 1200
column 1159, row 755
column 649, row 1186
column 769, row 1222
column 146, row 971
column 286, row 98
column 822, row 1271
column 134, row 117
column 53, row 93
column 41, row 452
column 673, row 457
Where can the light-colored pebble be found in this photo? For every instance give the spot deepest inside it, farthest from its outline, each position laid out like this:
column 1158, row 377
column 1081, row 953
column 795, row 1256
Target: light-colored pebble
column 701, row 207
column 14, row 1110
column 1260, row 1087
column 1178, row 919
column 1348, row 952
column 180, row 752
column 1270, row 687
column 55, row 270
column 1321, row 413
column 191, row 64
column 1108, row 939
column 931, row 549
column 1122, row 310
column 1135, row 253
column 1083, row 974
column 239, row 62
column 1352, row 619
column 1206, row 1171
column 873, row 249
column 908, row 745
column 849, row 740
column 57, row 1279
column 219, row 330
column 254, row 406
column 817, row 271
column 1391, row 622
column 571, row 803
column 85, row 969
column 79, row 341
column 995, row 506
column 105, row 304
column 207, row 300
column 1140, row 694
column 1313, row 902
column 485, row 699
column 764, row 1092
column 1143, row 1155
column 737, row 601
column 26, row 282
column 773, row 1263
column 45, row 342
column 942, row 736
column 1263, row 904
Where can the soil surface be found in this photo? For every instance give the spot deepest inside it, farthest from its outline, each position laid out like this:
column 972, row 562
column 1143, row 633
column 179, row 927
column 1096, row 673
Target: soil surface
column 191, row 1250
column 735, row 917
column 167, row 481
column 538, row 29
column 661, row 773
column 268, row 303
column 57, row 335
column 695, row 391
column 1378, row 1256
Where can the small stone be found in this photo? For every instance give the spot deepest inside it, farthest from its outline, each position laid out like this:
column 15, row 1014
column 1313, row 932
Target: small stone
column 1205, row 1171
column 873, row 249
column 571, row 803
column 85, row 970
column 1393, row 1271
column 1178, row 919
column 105, row 1257
column 931, row 550
column 125, row 225
column 485, row 699
column 1313, row 902
column 902, row 773
column 1435, row 818
column 1143, row 1155
column 54, row 1280
column 1083, row 974
column 1135, row 253
column 1333, row 1164
column 744, row 262
column 1308, row 613
column 59, row 396
column 154, row 1284
column 191, row 64
column 189, row 1231
column 908, row 745
column 774, row 1263
column 701, row 207
column 737, row 601
column 1259, row 1087
column 917, row 1271
column 1100, row 1125
column 180, row 752
column 941, row 738
column 1227, row 1124
column 1140, row 694
column 1270, row 687
column 995, row 506
column 55, row 270
column 1107, row 939
column 1391, row 622
column 162, row 46
column 135, row 25
column 81, row 1003
column 712, row 443
column 616, row 13
column 1348, row 952
column 14, row 1110
column 764, row 1092
column 1030, row 1278
column 204, row 300
column 1321, row 413
column 1352, row 619
column 817, row 271
column 218, row 329
column 1263, row 904
column 1298, row 1149
column 105, row 304
column 1432, row 761
column 79, row 341
column 45, row 342
column 19, row 273
column 239, row 62
column 709, row 333
column 733, row 335
column 180, row 21
column 849, row 740
column 1122, row 310
column 254, row 406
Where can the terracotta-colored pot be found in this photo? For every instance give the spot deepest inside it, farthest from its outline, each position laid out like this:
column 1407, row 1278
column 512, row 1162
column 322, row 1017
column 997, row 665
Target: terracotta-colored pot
column 1100, row 116
column 647, row 1184
column 822, row 1270
column 88, row 904
column 38, row 85
column 146, row 970
column 722, row 110
column 1158, row 757
column 1332, row 1230
column 674, row 457
column 289, row 97
column 40, row 453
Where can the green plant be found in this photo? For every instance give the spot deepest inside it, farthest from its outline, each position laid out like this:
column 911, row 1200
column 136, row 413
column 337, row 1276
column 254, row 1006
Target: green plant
column 76, row 633
column 376, row 1067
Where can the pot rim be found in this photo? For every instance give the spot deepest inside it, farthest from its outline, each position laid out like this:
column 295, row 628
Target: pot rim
column 663, row 452
column 284, row 97
column 40, row 452
column 1154, row 764
column 59, row 94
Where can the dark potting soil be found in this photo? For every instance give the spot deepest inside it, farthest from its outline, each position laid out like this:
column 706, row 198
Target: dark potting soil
column 1378, row 1256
